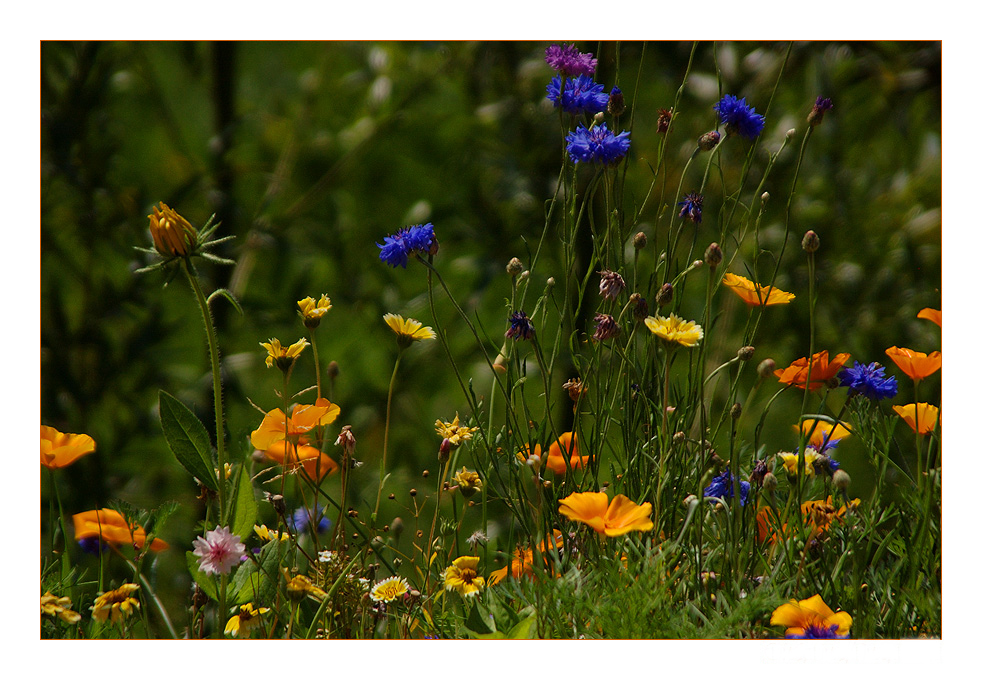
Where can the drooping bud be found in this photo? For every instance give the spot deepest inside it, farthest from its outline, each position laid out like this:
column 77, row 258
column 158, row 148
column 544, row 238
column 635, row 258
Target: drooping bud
column 790, row 133
column 736, row 410
column 445, row 448
column 745, row 353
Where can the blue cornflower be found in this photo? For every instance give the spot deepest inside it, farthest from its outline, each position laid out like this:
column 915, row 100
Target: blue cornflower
column 822, row 105
column 691, row 207
column 92, row 545
column 737, row 116
column 569, row 61
column 597, row 144
column 817, row 631
column 870, row 381
column 397, row 248
column 722, row 487
column 302, row 518
column 521, row 327
column 577, row 95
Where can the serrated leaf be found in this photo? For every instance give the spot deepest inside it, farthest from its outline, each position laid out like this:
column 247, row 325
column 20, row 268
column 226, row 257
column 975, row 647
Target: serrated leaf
column 245, row 505
column 188, row 440
column 206, row 582
column 254, row 584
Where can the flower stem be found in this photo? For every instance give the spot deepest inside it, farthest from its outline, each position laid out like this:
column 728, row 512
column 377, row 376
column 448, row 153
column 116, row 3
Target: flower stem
column 385, row 440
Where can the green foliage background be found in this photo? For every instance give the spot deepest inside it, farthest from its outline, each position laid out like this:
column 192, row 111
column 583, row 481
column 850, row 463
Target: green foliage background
column 311, row 152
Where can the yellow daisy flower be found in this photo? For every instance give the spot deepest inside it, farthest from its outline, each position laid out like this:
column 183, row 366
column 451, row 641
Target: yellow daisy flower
column 311, row 311
column 408, row 331
column 283, row 357
column 790, row 462
column 172, row 234
column 454, row 432
column 60, row 607
column 245, row 621
column 389, row 589
column 468, row 482
column 675, row 329
column 462, row 577
column 300, row 587
column 116, row 605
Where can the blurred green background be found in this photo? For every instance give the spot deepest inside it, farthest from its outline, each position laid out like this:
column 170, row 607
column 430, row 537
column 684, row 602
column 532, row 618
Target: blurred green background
column 309, row 153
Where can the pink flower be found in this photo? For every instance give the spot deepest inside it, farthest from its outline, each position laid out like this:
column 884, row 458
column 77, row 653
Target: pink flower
column 218, row 551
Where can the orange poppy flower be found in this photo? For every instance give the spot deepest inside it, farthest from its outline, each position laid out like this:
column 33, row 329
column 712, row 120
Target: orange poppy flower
column 112, row 528
column 308, row 456
column 811, row 618
column 917, row 365
column 931, row 315
column 824, row 433
column 755, row 294
column 607, row 517
column 822, row 370
column 523, row 560
column 817, row 516
column 59, row 449
column 304, row 418
column 554, row 460
column 922, row 420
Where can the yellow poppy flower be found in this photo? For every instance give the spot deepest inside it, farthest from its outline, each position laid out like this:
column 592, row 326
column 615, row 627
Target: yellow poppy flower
column 59, row 449
column 606, row 517
column 755, row 294
column 790, row 462
column 462, row 577
column 675, row 329
column 300, row 587
column 116, row 605
column 408, row 331
column 111, row 527
column 811, row 618
column 922, row 418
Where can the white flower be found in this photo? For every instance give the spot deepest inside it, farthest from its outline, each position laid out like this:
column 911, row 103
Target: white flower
column 326, row 556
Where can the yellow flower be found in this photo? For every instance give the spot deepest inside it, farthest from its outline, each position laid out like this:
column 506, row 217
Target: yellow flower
column 408, row 331
column 790, row 462
column 269, row 534
column 755, row 294
column 300, row 587
column 811, row 618
column 606, row 517
column 825, row 433
column 311, row 312
column 454, row 432
column 462, row 577
column 116, row 604
column 245, row 621
column 921, row 417
column 59, row 450
column 675, row 329
column 469, row 483
column 172, row 234
column 389, row 589
column 283, row 357
column 60, row 607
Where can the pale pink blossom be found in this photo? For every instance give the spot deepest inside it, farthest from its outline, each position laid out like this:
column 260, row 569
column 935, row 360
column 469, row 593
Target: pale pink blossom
column 218, row 551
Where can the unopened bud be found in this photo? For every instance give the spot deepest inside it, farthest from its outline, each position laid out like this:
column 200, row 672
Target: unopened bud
column 550, row 282
column 745, row 353
column 690, row 500
column 841, row 479
column 678, row 439
column 665, row 295
column 810, row 242
column 615, row 103
column 445, row 448
column 770, row 481
column 640, row 240
column 598, row 117
column 514, row 267
column 736, row 410
column 713, row 256
column 765, row 369
column 765, row 197
column 790, row 133
column 708, row 141
column 333, row 370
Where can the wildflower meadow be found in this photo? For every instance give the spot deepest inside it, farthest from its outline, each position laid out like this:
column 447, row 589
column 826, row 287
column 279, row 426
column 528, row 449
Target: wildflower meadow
column 491, row 341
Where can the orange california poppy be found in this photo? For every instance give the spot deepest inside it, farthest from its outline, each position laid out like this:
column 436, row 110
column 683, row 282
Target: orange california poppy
column 917, row 365
column 923, row 420
column 755, row 294
column 822, row 370
column 59, row 449
column 310, row 457
column 555, row 460
column 931, row 315
column 824, row 433
column 811, row 618
column 522, row 563
column 304, row 418
column 113, row 528
column 607, row 517
column 817, row 516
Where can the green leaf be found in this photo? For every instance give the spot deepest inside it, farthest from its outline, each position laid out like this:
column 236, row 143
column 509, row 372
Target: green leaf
column 206, row 582
column 187, row 439
column 524, row 629
column 480, row 623
column 254, row 584
column 245, row 505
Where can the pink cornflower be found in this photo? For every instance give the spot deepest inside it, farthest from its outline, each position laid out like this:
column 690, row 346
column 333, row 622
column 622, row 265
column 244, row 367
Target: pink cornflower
column 218, row 551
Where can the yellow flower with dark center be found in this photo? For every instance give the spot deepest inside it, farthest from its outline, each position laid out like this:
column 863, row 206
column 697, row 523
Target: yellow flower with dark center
column 311, row 311
column 468, row 482
column 283, row 357
column 243, row 623
column 755, row 294
column 300, row 587
column 675, row 329
column 172, row 234
column 811, row 618
column 408, row 331
column 462, row 577
column 60, row 607
column 389, row 589
column 606, row 517
column 59, row 449
column 269, row 534
column 454, row 432
column 116, row 605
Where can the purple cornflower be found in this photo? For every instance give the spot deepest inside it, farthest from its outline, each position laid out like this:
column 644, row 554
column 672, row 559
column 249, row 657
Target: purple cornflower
column 92, row 545
column 737, row 116
column 521, row 327
column 691, row 207
column 817, row 631
column 597, row 144
column 577, row 95
column 397, row 248
column 870, row 381
column 569, row 61
column 722, row 487
column 822, row 105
